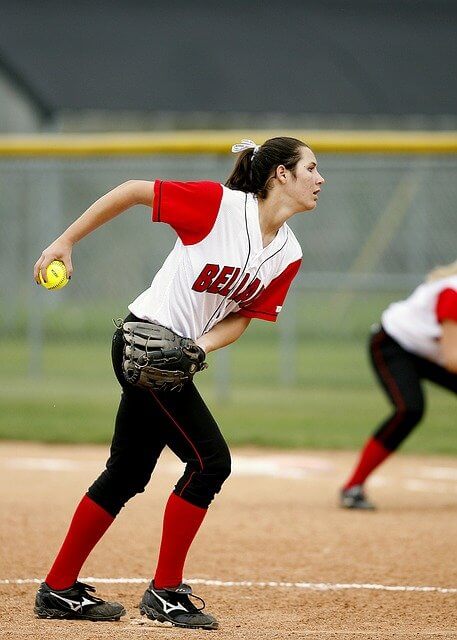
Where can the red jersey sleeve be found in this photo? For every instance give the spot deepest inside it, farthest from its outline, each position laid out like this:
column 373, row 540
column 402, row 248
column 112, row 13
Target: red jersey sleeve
column 446, row 305
column 191, row 208
column 268, row 303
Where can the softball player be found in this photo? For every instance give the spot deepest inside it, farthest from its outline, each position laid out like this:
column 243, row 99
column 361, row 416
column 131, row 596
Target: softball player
column 417, row 340
column 234, row 259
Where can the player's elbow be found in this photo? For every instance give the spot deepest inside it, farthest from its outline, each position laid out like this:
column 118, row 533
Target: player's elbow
column 450, row 362
column 241, row 323
column 138, row 192
column 449, row 345
column 449, row 354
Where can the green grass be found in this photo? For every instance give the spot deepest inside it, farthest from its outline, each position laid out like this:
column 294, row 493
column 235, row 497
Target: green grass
column 335, row 402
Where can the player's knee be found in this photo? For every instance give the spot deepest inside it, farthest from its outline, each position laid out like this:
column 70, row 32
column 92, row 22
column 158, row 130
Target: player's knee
column 211, row 478
column 112, row 490
column 405, row 420
column 215, row 478
column 411, row 415
column 219, row 469
column 138, row 484
column 200, row 487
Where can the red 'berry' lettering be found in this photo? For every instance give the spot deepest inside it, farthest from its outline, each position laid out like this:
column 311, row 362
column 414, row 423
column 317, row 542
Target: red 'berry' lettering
column 206, row 277
column 221, row 280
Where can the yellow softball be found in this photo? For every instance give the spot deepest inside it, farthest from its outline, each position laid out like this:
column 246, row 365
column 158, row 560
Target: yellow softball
column 56, row 275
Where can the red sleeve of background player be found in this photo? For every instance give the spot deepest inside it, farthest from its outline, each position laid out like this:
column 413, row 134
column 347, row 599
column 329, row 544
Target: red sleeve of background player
column 446, row 305
column 191, row 208
column 268, row 303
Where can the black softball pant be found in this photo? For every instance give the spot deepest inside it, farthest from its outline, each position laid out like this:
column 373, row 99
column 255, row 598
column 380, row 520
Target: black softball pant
column 146, row 422
column 401, row 374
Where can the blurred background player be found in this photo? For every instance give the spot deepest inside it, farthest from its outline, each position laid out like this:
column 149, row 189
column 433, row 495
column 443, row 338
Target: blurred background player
column 234, row 260
column 417, row 341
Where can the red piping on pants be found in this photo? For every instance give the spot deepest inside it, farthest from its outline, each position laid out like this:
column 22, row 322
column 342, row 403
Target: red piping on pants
column 390, row 383
column 183, row 433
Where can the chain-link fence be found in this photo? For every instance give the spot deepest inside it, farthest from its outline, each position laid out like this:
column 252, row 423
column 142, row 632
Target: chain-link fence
column 382, row 222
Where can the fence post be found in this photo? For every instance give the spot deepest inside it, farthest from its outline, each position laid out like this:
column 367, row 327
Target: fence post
column 288, row 343
column 417, row 237
column 43, row 225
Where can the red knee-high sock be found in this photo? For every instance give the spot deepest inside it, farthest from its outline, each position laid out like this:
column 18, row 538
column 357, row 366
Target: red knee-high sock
column 181, row 522
column 372, row 455
column 88, row 525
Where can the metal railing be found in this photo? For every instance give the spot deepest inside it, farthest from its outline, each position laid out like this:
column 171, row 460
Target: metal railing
column 385, row 217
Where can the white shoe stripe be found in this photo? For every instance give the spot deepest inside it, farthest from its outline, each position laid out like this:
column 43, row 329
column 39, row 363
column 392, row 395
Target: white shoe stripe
column 75, row 605
column 168, row 607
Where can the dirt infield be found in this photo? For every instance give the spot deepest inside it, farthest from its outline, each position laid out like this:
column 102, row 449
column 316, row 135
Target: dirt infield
column 331, row 573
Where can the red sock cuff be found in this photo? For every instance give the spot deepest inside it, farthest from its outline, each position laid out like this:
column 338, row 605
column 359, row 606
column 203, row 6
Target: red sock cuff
column 89, row 523
column 180, row 524
column 371, row 457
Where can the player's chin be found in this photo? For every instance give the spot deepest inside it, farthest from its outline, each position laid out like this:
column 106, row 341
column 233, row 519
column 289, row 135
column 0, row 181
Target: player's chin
column 310, row 205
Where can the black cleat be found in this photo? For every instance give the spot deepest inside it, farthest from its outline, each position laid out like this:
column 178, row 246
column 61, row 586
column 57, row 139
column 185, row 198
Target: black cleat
column 75, row 603
column 173, row 606
column 354, row 498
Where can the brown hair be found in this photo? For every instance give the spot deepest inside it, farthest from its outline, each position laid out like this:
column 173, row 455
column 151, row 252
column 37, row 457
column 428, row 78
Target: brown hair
column 254, row 170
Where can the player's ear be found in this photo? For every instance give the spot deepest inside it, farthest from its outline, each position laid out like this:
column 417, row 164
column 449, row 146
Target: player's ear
column 281, row 173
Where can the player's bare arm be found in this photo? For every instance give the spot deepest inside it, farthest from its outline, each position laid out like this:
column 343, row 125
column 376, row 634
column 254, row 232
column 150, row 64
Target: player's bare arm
column 106, row 208
column 449, row 345
column 224, row 333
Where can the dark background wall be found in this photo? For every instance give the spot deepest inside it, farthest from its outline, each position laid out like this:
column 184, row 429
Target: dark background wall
column 350, row 57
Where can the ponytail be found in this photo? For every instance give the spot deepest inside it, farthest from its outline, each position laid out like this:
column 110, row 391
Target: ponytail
column 241, row 177
column 256, row 165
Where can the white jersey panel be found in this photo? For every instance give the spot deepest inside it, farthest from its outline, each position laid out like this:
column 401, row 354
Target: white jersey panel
column 200, row 284
column 413, row 322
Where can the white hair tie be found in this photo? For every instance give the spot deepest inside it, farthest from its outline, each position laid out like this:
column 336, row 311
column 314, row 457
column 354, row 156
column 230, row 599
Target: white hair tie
column 245, row 144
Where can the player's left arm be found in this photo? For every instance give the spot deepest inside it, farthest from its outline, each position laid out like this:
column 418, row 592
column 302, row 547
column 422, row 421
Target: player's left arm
column 449, row 345
column 223, row 333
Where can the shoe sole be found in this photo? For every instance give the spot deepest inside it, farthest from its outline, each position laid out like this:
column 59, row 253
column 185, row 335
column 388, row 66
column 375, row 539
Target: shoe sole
column 160, row 617
column 56, row 614
column 358, row 507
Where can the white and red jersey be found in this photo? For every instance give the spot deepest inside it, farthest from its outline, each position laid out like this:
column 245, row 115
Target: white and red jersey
column 218, row 265
column 415, row 323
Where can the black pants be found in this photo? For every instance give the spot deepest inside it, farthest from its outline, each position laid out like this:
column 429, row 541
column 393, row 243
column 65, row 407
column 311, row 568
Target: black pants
column 400, row 374
column 146, row 422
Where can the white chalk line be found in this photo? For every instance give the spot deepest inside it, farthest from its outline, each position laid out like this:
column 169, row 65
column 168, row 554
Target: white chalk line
column 426, row 479
column 277, row 466
column 308, row 586
column 431, row 480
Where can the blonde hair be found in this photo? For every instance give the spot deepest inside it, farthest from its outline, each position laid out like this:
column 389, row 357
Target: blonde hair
column 442, row 272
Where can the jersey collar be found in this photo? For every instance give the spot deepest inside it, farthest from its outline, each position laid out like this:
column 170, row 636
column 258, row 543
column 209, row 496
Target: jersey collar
column 255, row 232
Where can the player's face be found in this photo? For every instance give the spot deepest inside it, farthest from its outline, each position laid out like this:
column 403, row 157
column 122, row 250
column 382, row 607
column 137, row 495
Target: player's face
column 305, row 186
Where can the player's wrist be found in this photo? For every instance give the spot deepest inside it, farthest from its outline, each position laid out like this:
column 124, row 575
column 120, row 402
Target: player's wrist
column 67, row 238
column 203, row 345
